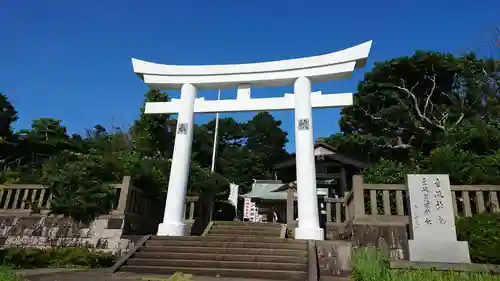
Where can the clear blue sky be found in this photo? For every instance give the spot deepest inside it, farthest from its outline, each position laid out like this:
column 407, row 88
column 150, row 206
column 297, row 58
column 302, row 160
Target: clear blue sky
column 70, row 60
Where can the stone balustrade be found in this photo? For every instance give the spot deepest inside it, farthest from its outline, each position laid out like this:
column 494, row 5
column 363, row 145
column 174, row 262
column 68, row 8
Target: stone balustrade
column 390, row 201
column 25, row 199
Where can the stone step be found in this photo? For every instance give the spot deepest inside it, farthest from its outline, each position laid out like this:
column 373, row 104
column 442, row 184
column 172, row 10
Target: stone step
column 270, row 237
column 245, row 228
column 219, row 244
column 221, row 257
column 237, row 232
column 220, row 272
column 224, row 238
column 328, row 275
column 221, row 250
column 219, row 264
column 336, row 242
column 247, row 224
column 330, row 278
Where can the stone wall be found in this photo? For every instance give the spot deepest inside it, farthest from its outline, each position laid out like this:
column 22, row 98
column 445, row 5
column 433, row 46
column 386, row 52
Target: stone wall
column 133, row 215
column 334, row 231
column 42, row 231
column 333, row 258
column 389, row 235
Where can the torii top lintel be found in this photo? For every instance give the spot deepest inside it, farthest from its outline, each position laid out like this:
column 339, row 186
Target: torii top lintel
column 332, row 66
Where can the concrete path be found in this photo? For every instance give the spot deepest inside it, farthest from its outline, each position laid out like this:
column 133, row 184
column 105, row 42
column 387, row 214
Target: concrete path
column 40, row 271
column 99, row 275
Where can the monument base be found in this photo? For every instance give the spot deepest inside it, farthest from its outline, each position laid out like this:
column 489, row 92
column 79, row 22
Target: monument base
column 172, row 229
column 309, row 233
column 439, row 251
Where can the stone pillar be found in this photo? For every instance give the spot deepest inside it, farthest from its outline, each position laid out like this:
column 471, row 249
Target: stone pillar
column 343, row 182
column 289, row 206
column 173, row 218
column 307, row 199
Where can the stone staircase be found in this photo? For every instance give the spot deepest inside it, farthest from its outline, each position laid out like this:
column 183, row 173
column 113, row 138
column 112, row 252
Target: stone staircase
column 224, row 228
column 230, row 249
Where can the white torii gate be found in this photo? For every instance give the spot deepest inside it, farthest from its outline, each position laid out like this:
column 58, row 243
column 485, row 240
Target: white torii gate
column 300, row 72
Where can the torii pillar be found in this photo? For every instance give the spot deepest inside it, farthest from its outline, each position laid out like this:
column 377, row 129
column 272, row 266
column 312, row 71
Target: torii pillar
column 307, row 198
column 299, row 72
column 173, row 218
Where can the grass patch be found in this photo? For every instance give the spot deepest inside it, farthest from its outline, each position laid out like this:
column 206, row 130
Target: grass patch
column 370, row 265
column 7, row 274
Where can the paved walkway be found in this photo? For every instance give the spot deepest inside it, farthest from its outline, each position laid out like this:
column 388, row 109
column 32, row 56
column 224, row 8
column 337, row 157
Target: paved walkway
column 99, row 275
column 74, row 276
column 39, row 271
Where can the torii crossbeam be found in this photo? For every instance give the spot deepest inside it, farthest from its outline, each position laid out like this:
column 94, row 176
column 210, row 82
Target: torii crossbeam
column 242, row 104
column 300, row 72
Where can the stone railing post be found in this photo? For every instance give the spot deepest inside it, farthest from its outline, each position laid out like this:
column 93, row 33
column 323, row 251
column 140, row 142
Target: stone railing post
column 358, row 196
column 124, row 195
column 328, row 211
column 290, row 198
column 190, row 207
column 191, row 210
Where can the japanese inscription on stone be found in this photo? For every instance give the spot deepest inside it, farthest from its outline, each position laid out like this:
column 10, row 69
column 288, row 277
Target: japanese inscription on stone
column 431, row 205
column 183, row 127
column 432, row 220
column 303, row 124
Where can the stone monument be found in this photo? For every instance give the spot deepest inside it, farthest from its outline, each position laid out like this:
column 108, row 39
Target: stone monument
column 433, row 221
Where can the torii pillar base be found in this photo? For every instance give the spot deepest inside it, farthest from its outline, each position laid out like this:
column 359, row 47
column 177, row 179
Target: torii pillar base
column 309, row 233
column 172, row 229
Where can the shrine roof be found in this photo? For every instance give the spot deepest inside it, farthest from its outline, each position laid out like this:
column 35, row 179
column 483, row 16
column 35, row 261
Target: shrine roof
column 264, row 190
column 284, row 187
column 328, row 151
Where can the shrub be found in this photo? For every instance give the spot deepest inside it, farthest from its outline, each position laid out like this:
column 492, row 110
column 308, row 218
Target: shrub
column 482, row 231
column 55, row 257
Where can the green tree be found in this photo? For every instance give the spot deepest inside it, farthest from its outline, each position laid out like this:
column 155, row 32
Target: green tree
column 154, row 134
column 79, row 184
column 463, row 166
column 150, row 174
column 152, row 139
column 266, row 139
column 8, row 115
column 405, row 106
column 431, row 112
column 201, row 180
column 47, row 137
column 388, row 172
column 242, row 166
column 231, row 136
column 245, row 151
column 47, row 130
